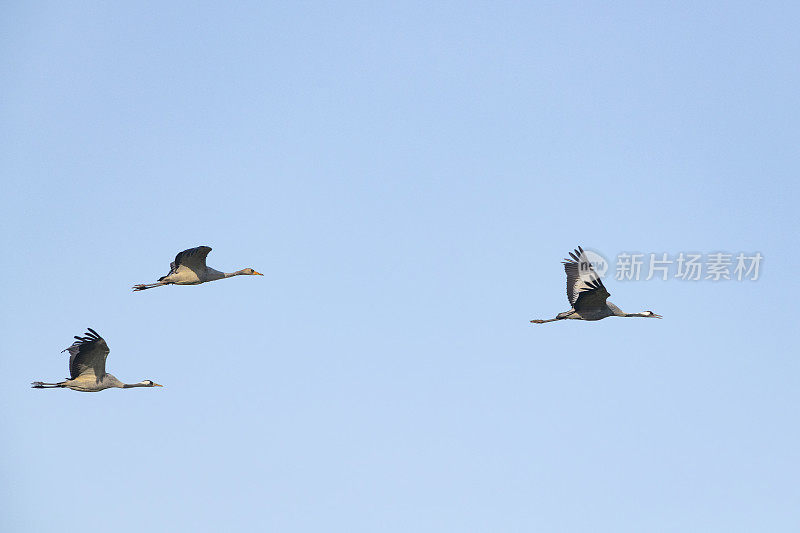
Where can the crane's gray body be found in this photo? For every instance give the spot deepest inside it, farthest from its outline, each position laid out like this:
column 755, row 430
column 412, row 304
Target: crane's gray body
column 600, row 313
column 90, row 383
column 189, row 268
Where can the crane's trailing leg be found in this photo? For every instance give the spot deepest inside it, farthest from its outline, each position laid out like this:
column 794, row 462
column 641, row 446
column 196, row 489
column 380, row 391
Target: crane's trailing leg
column 40, row 385
column 559, row 316
column 142, row 286
column 539, row 321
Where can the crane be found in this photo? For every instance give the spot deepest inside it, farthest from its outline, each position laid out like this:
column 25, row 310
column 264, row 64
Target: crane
column 189, row 268
column 87, row 367
column 587, row 294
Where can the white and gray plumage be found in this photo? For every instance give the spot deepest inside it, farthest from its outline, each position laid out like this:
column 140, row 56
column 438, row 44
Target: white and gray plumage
column 587, row 294
column 87, row 368
column 189, row 268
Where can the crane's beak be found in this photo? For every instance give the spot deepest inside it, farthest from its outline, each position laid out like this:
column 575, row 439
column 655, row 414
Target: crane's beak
column 257, row 273
column 657, row 316
column 157, row 385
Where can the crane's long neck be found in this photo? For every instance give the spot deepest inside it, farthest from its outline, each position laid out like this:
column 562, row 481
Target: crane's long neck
column 212, row 274
column 132, row 385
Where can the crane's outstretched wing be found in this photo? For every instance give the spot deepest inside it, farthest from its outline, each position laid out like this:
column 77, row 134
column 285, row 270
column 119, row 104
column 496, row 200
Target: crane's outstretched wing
column 585, row 290
column 88, row 355
column 194, row 259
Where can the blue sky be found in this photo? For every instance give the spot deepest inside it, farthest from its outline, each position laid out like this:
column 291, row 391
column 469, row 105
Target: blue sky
column 407, row 176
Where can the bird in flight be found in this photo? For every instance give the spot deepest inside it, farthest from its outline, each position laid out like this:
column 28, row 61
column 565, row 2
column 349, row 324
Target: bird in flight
column 587, row 294
column 87, row 368
column 189, row 268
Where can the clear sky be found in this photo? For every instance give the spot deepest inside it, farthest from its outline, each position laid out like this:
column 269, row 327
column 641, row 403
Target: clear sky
column 407, row 176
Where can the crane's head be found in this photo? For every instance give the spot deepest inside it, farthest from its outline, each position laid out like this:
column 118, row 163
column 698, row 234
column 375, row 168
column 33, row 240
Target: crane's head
column 650, row 314
column 250, row 272
column 150, row 383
